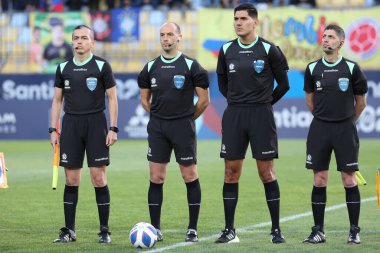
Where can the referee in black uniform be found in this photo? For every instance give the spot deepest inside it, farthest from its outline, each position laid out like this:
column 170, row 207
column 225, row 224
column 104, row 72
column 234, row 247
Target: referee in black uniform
column 82, row 83
column 247, row 67
column 335, row 94
column 167, row 86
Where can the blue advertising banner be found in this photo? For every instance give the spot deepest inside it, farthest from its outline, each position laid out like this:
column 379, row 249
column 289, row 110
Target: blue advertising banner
column 25, row 102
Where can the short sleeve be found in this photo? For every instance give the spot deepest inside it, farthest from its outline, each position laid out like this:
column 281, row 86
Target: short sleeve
column 277, row 59
column 308, row 84
column 359, row 81
column 143, row 79
column 108, row 78
column 200, row 76
column 58, row 78
column 221, row 66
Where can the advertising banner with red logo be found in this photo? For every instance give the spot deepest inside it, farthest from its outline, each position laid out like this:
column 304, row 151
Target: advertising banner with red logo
column 298, row 32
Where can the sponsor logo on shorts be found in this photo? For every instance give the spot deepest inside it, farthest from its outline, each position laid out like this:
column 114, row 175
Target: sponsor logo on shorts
column 268, row 152
column 223, row 149
column 308, row 159
column 351, row 164
column 101, row 159
column 187, row 158
column 149, row 151
column 64, row 158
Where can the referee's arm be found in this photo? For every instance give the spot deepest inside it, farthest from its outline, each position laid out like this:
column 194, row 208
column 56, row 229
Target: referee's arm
column 56, row 108
column 145, row 98
column 310, row 100
column 203, row 101
column 112, row 105
column 360, row 104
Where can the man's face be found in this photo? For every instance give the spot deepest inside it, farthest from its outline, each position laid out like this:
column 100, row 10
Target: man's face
column 331, row 42
column 57, row 34
column 82, row 41
column 169, row 37
column 244, row 24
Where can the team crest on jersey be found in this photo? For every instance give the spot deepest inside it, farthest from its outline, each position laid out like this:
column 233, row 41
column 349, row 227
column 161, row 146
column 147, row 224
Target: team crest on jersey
column 91, row 83
column 258, row 65
column 67, row 85
column 232, row 68
column 343, row 83
column 319, row 85
column 178, row 81
column 153, row 82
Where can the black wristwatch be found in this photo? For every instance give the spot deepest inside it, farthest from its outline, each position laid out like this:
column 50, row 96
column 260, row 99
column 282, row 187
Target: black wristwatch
column 114, row 129
column 52, row 129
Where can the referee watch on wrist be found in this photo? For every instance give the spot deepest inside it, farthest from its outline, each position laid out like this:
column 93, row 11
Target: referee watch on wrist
column 114, row 129
column 52, row 129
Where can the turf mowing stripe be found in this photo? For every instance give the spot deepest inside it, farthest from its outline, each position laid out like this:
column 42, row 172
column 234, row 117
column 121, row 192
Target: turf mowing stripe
column 259, row 225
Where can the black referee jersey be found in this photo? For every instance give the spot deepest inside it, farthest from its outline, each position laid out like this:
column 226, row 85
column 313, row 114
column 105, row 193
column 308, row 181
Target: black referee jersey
column 246, row 73
column 334, row 86
column 172, row 85
column 84, row 84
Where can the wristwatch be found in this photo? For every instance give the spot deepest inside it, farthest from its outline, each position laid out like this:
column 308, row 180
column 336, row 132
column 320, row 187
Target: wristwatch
column 52, row 129
column 114, row 129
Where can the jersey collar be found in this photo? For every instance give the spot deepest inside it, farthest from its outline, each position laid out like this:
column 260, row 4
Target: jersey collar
column 331, row 64
column 84, row 62
column 171, row 60
column 247, row 46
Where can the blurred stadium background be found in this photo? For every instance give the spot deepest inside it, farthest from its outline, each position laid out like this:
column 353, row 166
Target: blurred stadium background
column 127, row 36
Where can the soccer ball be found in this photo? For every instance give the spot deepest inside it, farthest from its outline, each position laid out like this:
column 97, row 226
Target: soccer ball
column 143, row 235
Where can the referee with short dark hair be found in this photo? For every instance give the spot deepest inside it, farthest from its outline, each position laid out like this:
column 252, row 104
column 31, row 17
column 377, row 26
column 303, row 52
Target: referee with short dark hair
column 167, row 85
column 247, row 67
column 335, row 94
column 82, row 83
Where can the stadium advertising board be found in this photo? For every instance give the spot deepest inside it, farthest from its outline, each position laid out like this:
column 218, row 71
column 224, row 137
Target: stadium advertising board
column 298, row 32
column 51, row 38
column 25, row 102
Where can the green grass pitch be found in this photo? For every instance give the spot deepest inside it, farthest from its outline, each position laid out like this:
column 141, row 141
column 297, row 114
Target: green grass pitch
column 31, row 213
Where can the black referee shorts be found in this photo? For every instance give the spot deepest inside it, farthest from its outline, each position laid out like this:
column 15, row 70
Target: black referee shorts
column 166, row 135
column 254, row 125
column 324, row 137
column 82, row 133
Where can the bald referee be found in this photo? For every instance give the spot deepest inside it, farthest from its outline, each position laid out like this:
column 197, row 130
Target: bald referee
column 335, row 94
column 167, row 86
column 247, row 67
column 82, row 83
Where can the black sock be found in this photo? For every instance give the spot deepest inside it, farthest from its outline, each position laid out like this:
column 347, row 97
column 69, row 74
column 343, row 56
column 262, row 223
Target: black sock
column 155, row 197
column 230, row 199
column 318, row 204
column 194, row 196
column 70, row 200
column 353, row 204
column 103, row 201
column 272, row 194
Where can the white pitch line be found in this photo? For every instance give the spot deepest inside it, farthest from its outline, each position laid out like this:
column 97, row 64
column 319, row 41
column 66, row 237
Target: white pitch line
column 259, row 225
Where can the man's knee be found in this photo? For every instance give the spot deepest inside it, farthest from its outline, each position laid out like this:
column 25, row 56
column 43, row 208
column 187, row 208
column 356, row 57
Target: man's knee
column 232, row 171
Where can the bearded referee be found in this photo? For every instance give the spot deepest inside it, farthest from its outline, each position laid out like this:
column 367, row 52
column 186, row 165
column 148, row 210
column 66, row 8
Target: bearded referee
column 335, row 94
column 247, row 67
column 82, row 83
column 167, row 86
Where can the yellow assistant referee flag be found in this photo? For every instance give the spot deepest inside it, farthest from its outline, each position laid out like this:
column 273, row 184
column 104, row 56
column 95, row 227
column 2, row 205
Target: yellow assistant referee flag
column 360, row 179
column 378, row 186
